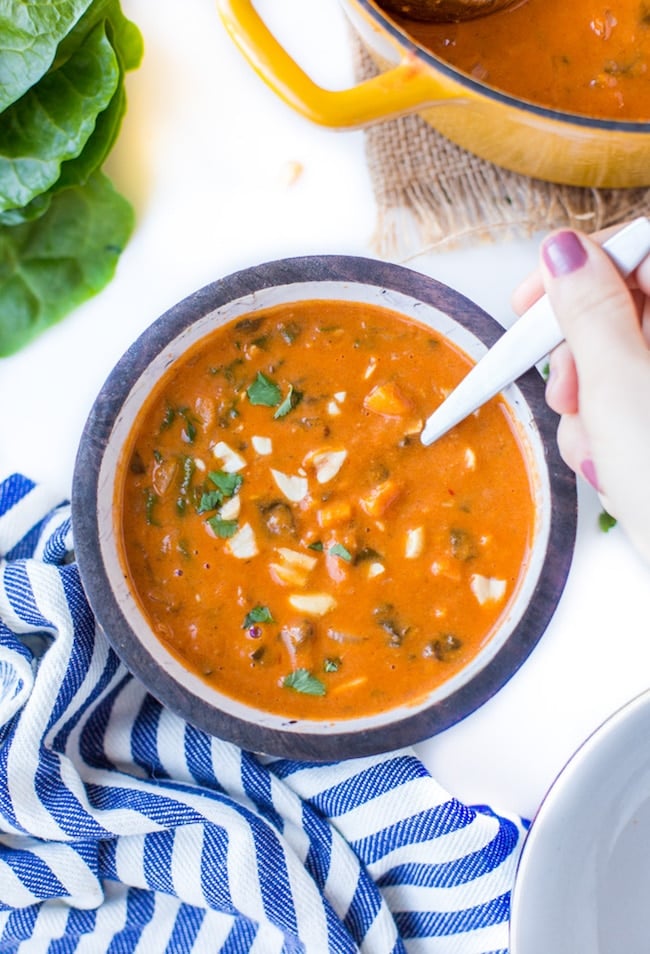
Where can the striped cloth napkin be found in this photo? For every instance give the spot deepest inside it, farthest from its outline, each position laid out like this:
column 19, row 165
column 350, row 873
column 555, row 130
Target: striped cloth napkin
column 123, row 828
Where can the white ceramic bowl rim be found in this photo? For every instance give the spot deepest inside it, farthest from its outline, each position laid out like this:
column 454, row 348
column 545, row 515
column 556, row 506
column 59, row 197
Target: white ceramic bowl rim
column 93, row 513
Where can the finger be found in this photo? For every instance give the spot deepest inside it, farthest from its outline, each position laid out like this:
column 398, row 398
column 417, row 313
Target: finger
column 593, row 305
column 574, row 447
column 562, row 384
column 527, row 292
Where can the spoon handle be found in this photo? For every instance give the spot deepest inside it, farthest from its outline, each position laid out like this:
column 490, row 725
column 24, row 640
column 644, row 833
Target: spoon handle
column 527, row 341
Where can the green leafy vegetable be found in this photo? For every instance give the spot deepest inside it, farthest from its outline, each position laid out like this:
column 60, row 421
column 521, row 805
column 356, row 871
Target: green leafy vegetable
column 56, row 262
column 340, row 551
column 62, row 99
column 332, row 664
column 259, row 614
column 54, row 120
column 301, row 680
column 606, row 521
column 228, row 484
column 264, row 391
column 290, row 401
column 223, row 528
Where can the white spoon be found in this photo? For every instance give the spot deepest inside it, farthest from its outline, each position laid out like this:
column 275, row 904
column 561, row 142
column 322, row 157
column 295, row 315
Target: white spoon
column 529, row 340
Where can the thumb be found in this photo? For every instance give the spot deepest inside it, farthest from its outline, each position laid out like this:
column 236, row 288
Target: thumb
column 593, row 305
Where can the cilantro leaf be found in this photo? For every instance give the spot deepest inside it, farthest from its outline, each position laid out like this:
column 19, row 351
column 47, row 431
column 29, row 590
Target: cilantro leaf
column 301, row 680
column 228, row 484
column 259, row 614
column 264, row 391
column 332, row 664
column 316, row 545
column 291, row 400
column 223, row 528
column 340, row 551
column 606, row 521
column 211, row 500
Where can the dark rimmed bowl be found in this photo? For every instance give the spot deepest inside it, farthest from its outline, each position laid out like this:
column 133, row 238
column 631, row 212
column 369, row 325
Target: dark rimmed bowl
column 96, row 523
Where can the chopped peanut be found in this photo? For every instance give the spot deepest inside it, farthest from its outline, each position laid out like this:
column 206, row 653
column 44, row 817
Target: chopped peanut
column 314, row 604
column 326, row 463
column 231, row 461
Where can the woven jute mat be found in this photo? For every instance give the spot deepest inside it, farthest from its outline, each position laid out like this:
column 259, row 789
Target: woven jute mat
column 432, row 195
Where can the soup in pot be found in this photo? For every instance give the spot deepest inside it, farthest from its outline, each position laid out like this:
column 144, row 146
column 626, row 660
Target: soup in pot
column 582, row 57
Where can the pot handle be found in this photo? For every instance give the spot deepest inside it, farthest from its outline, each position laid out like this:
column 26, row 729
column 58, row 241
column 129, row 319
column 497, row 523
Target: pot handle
column 401, row 89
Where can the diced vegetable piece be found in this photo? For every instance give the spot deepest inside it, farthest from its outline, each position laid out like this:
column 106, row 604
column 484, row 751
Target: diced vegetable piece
column 313, row 604
column 243, row 544
column 446, row 568
column 334, row 513
column 296, row 558
column 487, row 588
column 388, row 400
column 231, row 461
column 163, row 474
column 294, row 488
column 326, row 463
column 278, row 517
column 294, row 567
column 414, row 543
column 230, row 508
column 379, row 499
column 262, row 445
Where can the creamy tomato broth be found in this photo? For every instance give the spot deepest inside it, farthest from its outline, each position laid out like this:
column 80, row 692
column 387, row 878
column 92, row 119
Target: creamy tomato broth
column 579, row 57
column 288, row 535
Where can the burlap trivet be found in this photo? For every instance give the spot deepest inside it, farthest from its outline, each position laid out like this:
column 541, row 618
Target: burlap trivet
column 432, row 195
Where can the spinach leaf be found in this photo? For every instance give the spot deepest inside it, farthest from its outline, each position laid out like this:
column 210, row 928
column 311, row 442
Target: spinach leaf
column 29, row 36
column 53, row 264
column 55, row 119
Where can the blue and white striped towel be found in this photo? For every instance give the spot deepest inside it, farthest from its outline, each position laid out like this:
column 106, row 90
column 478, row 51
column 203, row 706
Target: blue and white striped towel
column 124, row 829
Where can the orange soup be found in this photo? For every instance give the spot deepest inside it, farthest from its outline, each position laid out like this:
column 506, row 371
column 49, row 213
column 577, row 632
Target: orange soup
column 579, row 57
column 288, row 535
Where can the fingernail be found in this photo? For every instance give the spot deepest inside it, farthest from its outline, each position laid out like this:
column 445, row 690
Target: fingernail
column 563, row 253
column 588, row 469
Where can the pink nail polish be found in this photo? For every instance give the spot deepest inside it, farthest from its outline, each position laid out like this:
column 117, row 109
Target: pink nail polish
column 563, row 253
column 588, row 469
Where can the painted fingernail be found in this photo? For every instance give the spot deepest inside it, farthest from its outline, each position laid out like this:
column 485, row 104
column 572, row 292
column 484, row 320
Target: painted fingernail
column 563, row 253
column 588, row 469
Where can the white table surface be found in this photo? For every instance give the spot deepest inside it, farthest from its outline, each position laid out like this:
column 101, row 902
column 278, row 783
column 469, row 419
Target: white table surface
column 205, row 154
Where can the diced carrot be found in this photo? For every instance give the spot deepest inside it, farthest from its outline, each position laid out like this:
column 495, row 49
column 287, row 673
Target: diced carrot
column 379, row 499
column 334, row 513
column 387, row 399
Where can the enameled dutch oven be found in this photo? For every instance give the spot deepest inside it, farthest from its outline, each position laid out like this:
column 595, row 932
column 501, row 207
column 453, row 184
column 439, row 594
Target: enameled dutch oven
column 510, row 132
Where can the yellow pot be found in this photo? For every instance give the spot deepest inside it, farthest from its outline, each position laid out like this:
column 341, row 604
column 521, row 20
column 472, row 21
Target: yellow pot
column 532, row 140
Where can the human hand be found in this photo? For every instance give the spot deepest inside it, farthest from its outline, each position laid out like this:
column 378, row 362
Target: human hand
column 599, row 378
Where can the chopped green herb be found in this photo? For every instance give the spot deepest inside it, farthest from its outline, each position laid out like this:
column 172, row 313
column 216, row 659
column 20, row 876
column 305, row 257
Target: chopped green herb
column 332, row 664
column 210, row 500
column 264, row 391
column 259, row 614
column 366, row 553
column 340, row 551
column 606, row 521
column 291, row 400
column 228, row 484
column 223, row 528
column 190, row 426
column 301, row 680
column 150, row 501
column 316, row 545
column 169, row 418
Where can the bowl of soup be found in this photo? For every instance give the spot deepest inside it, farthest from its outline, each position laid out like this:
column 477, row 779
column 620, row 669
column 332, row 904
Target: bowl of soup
column 559, row 92
column 269, row 546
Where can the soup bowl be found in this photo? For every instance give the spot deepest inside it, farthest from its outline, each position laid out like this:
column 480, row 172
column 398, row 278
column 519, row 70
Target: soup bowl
column 100, row 511
column 532, row 140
